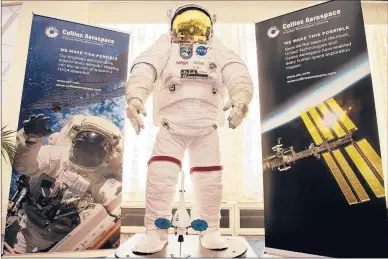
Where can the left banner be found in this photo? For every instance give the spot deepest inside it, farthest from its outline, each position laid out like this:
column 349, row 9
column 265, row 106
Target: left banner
column 65, row 191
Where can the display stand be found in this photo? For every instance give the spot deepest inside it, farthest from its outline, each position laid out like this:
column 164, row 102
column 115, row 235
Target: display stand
column 238, row 247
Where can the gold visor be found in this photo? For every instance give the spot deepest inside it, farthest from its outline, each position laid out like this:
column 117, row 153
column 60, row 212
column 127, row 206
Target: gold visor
column 192, row 25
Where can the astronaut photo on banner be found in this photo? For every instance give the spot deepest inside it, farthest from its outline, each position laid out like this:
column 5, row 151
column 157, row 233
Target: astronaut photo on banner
column 64, row 183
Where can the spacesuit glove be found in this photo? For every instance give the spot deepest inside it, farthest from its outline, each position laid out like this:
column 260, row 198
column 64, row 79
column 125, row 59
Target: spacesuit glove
column 237, row 114
column 134, row 109
column 37, row 125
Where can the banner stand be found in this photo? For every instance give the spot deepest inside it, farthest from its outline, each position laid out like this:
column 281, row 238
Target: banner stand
column 72, row 110
column 322, row 169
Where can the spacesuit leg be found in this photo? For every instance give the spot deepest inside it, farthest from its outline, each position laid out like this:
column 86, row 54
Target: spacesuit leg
column 26, row 241
column 15, row 239
column 163, row 170
column 206, row 175
column 23, row 244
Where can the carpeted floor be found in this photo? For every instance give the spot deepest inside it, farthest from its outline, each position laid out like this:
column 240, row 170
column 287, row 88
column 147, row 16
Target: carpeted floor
column 256, row 242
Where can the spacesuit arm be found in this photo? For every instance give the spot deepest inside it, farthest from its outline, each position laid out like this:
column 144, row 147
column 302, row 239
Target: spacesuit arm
column 141, row 82
column 235, row 74
column 238, row 82
column 33, row 159
column 147, row 67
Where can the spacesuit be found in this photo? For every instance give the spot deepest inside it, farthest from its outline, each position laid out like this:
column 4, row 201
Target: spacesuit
column 85, row 156
column 188, row 70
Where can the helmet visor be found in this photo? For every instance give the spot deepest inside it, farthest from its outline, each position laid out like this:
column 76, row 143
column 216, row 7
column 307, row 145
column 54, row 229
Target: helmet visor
column 192, row 24
column 90, row 149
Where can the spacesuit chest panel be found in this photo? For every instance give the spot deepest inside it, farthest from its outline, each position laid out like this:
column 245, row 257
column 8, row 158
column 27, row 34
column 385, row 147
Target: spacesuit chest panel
column 191, row 72
column 77, row 185
column 193, row 62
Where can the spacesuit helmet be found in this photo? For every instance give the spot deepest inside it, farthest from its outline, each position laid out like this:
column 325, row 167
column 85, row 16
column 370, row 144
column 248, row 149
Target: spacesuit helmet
column 95, row 143
column 191, row 23
column 90, row 149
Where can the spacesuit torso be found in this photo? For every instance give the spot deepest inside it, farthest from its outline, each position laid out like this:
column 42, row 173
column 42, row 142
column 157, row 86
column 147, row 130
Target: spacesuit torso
column 191, row 72
column 190, row 92
column 79, row 182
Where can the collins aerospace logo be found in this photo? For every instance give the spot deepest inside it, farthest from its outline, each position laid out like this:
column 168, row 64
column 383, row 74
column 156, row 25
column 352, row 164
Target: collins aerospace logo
column 273, row 32
column 51, row 32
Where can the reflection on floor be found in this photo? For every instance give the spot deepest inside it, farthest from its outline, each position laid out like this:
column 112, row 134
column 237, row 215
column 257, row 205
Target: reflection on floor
column 256, row 242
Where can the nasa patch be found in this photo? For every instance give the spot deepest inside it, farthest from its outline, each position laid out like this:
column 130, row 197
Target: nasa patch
column 201, row 50
column 186, row 51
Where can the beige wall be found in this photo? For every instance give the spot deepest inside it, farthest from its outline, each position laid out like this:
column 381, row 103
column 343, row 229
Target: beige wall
column 227, row 11
column 132, row 12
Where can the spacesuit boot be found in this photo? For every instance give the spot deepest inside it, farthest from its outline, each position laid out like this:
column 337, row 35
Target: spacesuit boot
column 213, row 240
column 208, row 196
column 153, row 242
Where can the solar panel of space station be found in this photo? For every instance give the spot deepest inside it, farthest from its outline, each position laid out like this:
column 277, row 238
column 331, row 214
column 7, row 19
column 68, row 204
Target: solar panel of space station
column 360, row 152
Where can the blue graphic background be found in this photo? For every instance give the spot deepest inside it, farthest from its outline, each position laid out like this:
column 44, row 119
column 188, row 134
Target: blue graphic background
column 42, row 73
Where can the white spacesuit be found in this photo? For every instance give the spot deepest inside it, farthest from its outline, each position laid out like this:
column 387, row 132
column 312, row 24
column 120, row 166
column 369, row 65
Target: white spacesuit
column 85, row 156
column 188, row 71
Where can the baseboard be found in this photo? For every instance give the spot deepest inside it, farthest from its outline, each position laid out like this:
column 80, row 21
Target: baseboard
column 237, row 218
column 140, row 230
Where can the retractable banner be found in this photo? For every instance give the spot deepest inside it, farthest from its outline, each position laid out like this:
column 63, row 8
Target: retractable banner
column 323, row 179
column 65, row 191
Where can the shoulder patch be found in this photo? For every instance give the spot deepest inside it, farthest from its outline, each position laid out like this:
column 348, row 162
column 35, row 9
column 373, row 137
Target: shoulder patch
column 186, row 51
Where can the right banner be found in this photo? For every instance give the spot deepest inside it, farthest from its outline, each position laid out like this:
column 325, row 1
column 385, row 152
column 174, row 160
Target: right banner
column 323, row 179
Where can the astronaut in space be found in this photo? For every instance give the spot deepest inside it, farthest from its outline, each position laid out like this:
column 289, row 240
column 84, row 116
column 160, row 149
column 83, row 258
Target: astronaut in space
column 189, row 71
column 81, row 162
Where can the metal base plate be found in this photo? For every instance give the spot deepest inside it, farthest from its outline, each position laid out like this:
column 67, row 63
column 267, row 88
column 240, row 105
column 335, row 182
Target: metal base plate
column 237, row 247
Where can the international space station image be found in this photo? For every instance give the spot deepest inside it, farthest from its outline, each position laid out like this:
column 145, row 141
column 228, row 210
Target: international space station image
column 333, row 133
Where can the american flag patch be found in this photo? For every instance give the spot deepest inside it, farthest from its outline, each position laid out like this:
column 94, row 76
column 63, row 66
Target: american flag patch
column 112, row 181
